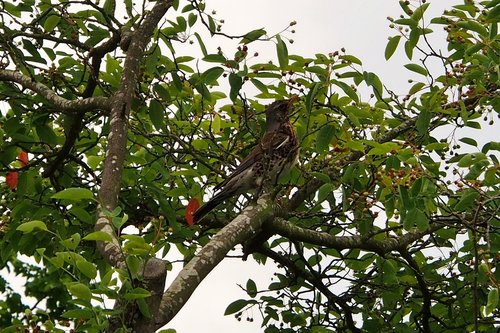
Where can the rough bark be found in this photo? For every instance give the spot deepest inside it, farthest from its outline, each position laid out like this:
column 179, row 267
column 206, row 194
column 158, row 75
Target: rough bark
column 62, row 105
column 243, row 227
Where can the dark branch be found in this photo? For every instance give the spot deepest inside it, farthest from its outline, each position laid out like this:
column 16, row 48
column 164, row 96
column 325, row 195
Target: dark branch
column 426, row 295
column 317, row 283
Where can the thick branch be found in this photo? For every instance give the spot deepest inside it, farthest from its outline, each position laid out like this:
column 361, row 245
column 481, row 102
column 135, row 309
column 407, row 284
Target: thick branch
column 243, row 227
column 154, row 269
column 380, row 246
column 63, row 104
column 117, row 138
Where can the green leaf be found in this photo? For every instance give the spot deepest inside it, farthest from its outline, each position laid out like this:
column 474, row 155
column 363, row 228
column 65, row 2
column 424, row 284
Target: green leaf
column 215, row 58
column 216, row 123
column 466, row 200
column 311, row 95
column 388, row 272
column 133, row 265
column 236, row 83
column 80, row 291
column 88, row 269
column 324, row 137
column 162, row 92
column 493, row 14
column 47, row 134
column 406, row 21
column 492, row 302
column 28, row 227
column 251, row 288
column 78, row 314
column 321, row 176
column 259, row 85
column 416, row 88
column 416, row 217
column 417, row 69
column 492, row 145
column 347, row 89
column 74, row 194
column 282, row 51
column 235, row 306
column 211, row 75
column 252, row 36
column 181, row 21
column 202, row 45
column 118, row 222
column 51, row 22
column 192, row 19
column 351, row 59
column 355, row 145
column 419, row 12
column 109, row 7
column 474, row 26
column 137, row 293
column 423, row 122
column 469, row 141
column 373, row 80
column 324, row 191
column 409, row 46
column 383, row 148
column 143, row 307
column 405, row 198
column 212, row 27
column 360, row 264
column 98, row 236
column 469, row 159
column 94, row 161
column 182, row 59
column 156, row 114
column 72, row 242
column 391, row 46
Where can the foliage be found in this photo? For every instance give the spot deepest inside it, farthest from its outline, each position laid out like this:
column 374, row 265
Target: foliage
column 389, row 223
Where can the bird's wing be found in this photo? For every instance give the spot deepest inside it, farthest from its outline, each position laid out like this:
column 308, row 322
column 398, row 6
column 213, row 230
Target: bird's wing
column 269, row 142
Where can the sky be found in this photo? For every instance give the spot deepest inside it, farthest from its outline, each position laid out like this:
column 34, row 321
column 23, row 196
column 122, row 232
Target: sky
column 323, row 26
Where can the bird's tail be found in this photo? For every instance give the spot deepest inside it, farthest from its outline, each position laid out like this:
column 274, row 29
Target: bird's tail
column 208, row 206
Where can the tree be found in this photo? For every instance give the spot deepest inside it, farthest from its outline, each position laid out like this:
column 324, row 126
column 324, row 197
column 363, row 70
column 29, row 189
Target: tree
column 386, row 224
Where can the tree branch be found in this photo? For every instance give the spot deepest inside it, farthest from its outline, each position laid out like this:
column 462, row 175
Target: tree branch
column 63, row 104
column 244, row 226
column 312, row 278
column 426, row 295
column 379, row 246
column 117, row 138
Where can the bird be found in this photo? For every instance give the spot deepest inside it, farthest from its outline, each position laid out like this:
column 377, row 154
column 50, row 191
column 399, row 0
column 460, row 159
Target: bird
column 276, row 152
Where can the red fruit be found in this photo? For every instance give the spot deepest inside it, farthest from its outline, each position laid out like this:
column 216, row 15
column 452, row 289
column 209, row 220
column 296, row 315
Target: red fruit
column 11, row 179
column 23, row 158
column 192, row 206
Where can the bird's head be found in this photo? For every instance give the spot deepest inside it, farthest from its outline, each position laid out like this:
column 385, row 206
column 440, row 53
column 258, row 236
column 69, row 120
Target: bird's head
column 277, row 112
